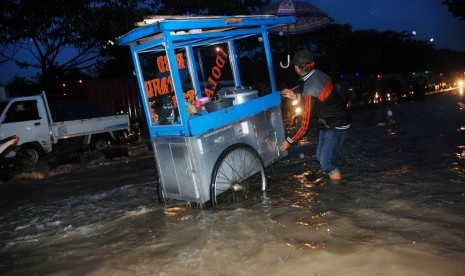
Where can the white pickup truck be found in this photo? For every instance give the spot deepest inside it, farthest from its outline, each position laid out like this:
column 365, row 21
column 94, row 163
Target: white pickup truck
column 30, row 119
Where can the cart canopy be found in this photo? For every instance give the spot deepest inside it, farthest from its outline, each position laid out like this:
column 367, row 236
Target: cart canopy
column 152, row 27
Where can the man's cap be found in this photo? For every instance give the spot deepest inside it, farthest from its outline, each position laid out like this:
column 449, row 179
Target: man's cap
column 302, row 57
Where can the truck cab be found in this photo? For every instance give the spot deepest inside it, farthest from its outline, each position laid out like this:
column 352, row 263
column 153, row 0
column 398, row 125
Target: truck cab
column 27, row 118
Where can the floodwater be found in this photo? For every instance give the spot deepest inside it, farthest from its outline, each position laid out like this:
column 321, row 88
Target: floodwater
column 399, row 211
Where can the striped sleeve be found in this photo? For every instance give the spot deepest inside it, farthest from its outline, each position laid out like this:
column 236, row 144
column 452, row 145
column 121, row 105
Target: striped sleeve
column 324, row 94
column 306, row 117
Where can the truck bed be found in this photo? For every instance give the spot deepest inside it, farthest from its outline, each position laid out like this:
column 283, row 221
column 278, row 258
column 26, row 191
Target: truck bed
column 74, row 128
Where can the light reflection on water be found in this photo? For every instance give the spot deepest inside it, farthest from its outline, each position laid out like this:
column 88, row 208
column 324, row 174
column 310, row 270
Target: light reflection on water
column 398, row 211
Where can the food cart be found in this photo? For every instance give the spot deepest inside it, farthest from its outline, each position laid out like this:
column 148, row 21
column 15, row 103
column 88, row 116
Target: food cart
column 213, row 113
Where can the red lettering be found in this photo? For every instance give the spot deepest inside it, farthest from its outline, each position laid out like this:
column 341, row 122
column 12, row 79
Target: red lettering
column 180, row 61
column 167, row 65
column 209, row 92
column 170, row 82
column 216, row 72
column 149, row 89
column 164, row 86
column 220, row 62
column 156, row 87
column 161, row 64
column 213, row 82
column 220, row 50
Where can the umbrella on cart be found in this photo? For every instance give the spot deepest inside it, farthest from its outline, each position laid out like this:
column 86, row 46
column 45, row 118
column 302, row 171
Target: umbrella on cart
column 308, row 18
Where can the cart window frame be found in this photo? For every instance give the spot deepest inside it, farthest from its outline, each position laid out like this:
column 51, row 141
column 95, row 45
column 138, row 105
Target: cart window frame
column 159, row 88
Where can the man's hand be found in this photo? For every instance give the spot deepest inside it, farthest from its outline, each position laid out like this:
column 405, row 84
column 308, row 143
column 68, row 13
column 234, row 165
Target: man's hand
column 287, row 93
column 285, row 145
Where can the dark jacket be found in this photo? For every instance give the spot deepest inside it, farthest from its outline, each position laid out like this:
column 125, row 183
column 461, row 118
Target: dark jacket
column 322, row 102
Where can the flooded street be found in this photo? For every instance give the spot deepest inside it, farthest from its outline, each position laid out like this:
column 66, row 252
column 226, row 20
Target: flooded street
column 400, row 210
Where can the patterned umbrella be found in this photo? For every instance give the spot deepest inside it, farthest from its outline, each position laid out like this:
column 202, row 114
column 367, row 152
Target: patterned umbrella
column 308, row 18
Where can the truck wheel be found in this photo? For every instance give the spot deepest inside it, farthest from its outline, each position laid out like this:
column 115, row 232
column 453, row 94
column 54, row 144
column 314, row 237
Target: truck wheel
column 32, row 154
column 101, row 144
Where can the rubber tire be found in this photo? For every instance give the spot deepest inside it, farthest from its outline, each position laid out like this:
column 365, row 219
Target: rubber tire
column 231, row 179
column 101, row 144
column 32, row 153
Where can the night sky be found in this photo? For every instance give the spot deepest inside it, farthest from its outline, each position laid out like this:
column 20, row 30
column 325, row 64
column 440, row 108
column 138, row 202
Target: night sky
column 427, row 18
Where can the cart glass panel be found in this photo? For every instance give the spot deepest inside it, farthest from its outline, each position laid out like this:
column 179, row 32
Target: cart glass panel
column 159, row 88
column 252, row 62
column 214, row 68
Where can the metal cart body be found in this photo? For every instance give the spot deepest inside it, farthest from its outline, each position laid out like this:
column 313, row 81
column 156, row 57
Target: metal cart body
column 179, row 60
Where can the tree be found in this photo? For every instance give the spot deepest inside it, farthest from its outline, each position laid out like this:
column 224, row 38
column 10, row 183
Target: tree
column 456, row 7
column 55, row 37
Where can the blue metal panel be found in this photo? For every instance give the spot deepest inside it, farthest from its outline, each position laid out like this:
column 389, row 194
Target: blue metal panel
column 149, row 45
column 137, row 34
column 202, row 124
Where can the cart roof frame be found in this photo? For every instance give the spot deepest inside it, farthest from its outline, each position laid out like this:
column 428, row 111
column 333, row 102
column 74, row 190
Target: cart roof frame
column 176, row 25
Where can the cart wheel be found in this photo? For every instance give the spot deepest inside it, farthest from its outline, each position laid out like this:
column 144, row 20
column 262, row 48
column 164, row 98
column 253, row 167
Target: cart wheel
column 161, row 196
column 238, row 173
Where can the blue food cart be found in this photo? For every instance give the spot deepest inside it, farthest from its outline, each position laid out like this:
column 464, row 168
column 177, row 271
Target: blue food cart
column 212, row 112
